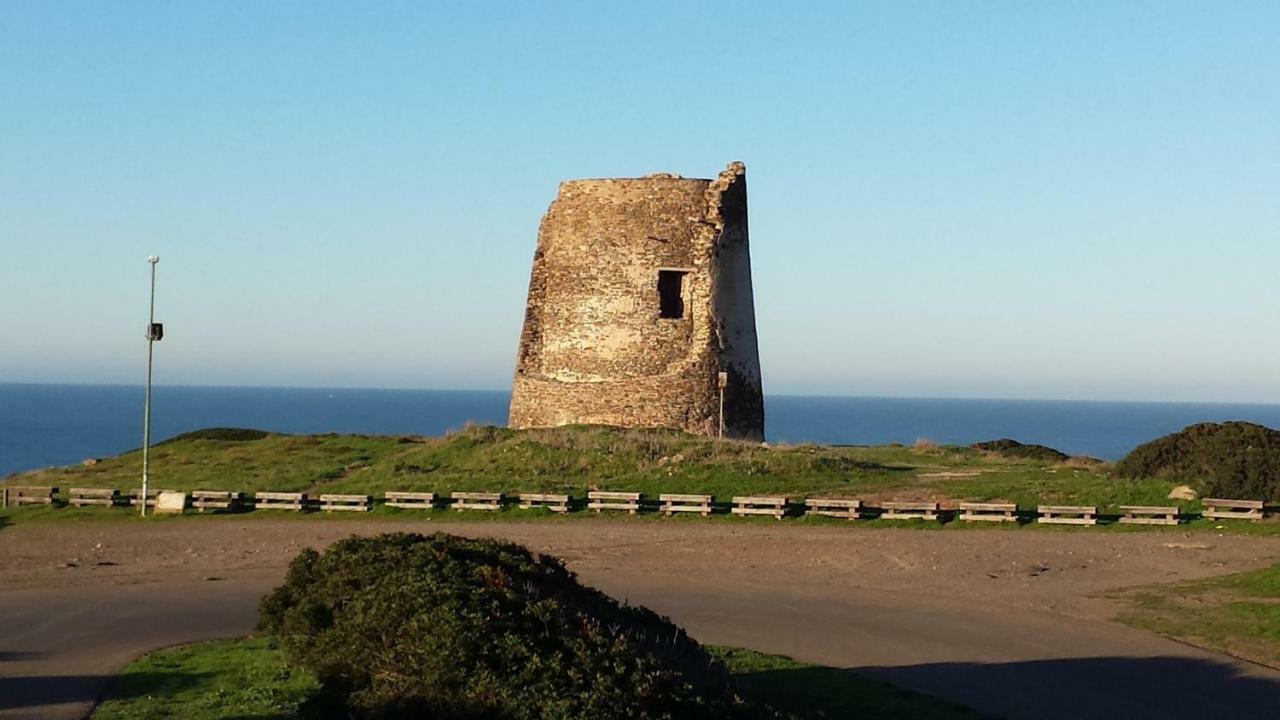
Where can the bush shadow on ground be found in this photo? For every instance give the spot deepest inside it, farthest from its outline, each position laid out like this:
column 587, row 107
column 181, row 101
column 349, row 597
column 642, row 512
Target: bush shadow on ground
column 815, row 692
column 31, row 692
column 1168, row 687
column 18, row 655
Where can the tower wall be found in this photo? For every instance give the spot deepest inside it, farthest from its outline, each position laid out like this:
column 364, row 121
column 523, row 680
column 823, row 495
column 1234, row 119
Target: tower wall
column 616, row 260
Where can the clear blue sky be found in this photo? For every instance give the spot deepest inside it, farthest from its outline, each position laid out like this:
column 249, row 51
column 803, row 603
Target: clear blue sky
column 1035, row 200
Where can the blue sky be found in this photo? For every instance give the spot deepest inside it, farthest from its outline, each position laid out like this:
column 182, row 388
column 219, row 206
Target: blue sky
column 1033, row 200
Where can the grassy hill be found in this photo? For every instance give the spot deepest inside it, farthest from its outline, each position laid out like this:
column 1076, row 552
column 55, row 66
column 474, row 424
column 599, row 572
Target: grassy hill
column 576, row 459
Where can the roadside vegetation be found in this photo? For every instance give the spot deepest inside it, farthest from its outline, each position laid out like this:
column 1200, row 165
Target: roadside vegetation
column 440, row 626
column 410, row 625
column 574, row 460
column 1236, row 614
column 249, row 678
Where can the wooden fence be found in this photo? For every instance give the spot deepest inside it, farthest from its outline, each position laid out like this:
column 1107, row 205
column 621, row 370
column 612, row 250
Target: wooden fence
column 667, row 504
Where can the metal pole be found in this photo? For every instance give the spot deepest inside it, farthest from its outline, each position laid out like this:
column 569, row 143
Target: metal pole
column 146, row 411
column 722, row 412
column 722, row 380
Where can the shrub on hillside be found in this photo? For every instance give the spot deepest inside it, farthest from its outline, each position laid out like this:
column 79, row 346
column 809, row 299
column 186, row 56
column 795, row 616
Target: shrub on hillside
column 409, row 625
column 220, row 433
column 1233, row 459
column 1014, row 449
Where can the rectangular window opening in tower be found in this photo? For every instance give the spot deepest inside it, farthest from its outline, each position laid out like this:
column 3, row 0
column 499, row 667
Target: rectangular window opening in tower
column 671, row 294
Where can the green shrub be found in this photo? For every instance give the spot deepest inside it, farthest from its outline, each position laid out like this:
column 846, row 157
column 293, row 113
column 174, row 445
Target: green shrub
column 1233, row 459
column 409, row 625
column 1014, row 449
column 218, row 433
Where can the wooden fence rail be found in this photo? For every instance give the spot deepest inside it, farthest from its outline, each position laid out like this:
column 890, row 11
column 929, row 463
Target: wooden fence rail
column 833, row 507
column 296, row 502
column 775, row 505
column 410, row 500
column 27, row 495
column 674, row 503
column 600, row 500
column 477, row 500
column 631, row 502
column 1067, row 515
column 909, row 511
column 346, row 503
column 1224, row 509
column 988, row 512
column 79, row 497
column 552, row 502
column 1148, row 515
column 216, row 499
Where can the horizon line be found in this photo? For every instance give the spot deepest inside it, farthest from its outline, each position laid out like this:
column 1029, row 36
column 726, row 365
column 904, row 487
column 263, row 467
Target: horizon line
column 766, row 395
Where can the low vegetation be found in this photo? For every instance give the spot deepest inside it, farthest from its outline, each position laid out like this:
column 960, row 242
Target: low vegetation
column 245, row 678
column 1237, row 614
column 219, row 433
column 1009, row 448
column 250, row 678
column 1233, row 459
column 409, row 625
column 574, row 460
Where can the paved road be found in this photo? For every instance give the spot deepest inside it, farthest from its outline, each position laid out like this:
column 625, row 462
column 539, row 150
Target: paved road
column 58, row 648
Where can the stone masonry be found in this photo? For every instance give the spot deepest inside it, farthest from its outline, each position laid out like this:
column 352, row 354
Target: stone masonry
column 640, row 296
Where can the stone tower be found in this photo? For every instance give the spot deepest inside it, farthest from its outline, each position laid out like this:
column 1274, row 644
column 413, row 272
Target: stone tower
column 640, row 296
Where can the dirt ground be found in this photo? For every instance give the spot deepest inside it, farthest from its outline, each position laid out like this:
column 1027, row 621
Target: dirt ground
column 1009, row 622
column 1067, row 573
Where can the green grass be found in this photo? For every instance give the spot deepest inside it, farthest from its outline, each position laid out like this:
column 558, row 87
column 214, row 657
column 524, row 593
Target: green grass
column 245, row 678
column 249, row 678
column 574, row 460
column 1237, row 614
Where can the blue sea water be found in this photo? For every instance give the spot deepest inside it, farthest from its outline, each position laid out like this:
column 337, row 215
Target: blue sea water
column 43, row 425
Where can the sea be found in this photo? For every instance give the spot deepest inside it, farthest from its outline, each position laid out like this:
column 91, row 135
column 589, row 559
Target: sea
column 53, row 425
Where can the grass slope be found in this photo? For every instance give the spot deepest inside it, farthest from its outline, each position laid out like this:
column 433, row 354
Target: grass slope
column 1237, row 614
column 224, row 679
column 576, row 459
column 249, row 678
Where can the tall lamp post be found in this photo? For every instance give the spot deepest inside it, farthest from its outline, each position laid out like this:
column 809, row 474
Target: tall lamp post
column 155, row 332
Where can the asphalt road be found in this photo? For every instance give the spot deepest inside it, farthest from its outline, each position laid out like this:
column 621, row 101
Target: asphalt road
column 59, row 647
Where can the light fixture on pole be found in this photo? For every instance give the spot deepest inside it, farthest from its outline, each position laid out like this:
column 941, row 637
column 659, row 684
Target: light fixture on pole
column 155, row 332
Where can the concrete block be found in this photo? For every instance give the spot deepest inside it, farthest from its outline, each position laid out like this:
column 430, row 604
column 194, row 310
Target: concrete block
column 171, row 502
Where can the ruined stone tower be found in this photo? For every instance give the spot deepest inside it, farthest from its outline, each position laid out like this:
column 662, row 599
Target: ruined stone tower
column 640, row 297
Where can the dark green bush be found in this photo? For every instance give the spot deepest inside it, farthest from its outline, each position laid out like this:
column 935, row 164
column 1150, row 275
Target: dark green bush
column 408, row 625
column 1233, row 459
column 231, row 434
column 1014, row 449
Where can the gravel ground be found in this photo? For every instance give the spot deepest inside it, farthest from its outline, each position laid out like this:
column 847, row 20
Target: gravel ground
column 1009, row 622
column 1062, row 572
